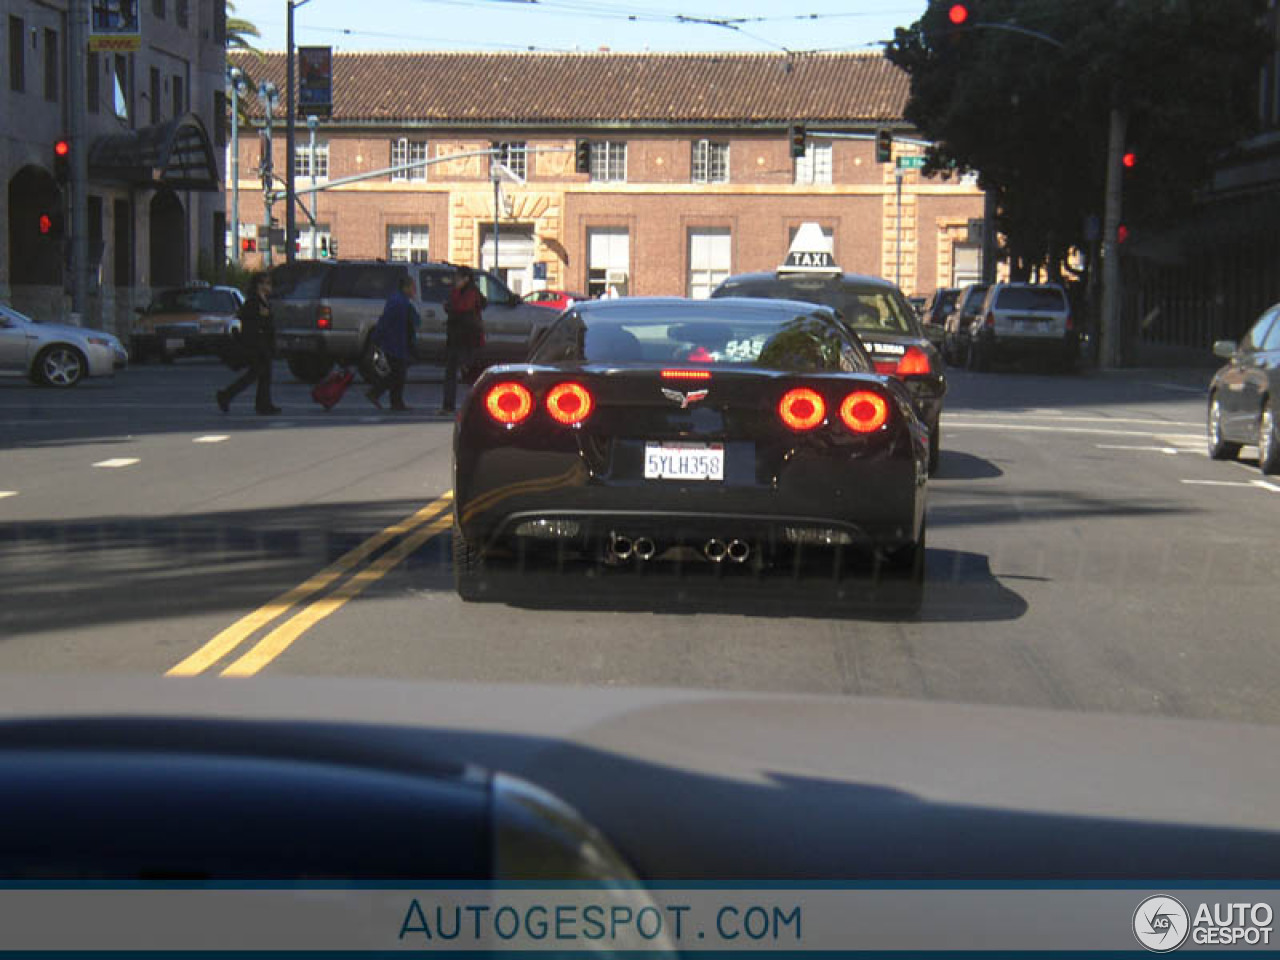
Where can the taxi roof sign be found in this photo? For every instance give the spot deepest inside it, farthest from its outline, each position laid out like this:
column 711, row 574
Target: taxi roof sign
column 810, row 252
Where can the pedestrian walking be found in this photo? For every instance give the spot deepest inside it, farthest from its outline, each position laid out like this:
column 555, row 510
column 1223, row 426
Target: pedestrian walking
column 464, row 332
column 394, row 336
column 257, row 344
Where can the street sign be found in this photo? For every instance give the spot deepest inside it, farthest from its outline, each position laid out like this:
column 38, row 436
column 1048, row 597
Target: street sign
column 910, row 163
column 315, row 74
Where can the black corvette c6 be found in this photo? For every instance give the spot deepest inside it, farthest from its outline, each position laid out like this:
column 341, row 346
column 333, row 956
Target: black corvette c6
column 734, row 434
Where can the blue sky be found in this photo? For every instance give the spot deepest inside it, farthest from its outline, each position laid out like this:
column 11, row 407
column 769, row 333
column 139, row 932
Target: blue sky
column 581, row 24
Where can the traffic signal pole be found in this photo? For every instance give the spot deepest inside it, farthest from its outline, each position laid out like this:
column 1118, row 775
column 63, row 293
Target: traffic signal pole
column 78, row 43
column 1111, row 354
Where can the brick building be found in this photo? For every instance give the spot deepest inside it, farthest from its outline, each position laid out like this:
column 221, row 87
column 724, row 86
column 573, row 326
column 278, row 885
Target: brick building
column 154, row 202
column 691, row 175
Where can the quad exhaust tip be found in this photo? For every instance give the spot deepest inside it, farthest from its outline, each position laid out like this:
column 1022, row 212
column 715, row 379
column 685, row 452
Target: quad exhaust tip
column 621, row 547
column 644, row 548
column 715, row 550
column 738, row 551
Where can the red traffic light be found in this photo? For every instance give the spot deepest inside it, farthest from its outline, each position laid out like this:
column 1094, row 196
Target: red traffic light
column 1122, row 234
column 1130, row 160
column 958, row 14
column 61, row 148
column 46, row 224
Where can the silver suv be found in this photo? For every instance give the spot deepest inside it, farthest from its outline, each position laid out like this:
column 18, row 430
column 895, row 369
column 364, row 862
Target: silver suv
column 1020, row 320
column 325, row 312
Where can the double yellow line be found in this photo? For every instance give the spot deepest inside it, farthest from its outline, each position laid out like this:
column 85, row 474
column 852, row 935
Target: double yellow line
column 412, row 532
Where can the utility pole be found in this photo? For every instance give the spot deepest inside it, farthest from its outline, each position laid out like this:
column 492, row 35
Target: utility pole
column 235, row 78
column 989, row 236
column 290, row 111
column 497, row 200
column 897, row 269
column 267, row 93
column 78, row 44
column 312, row 122
column 1112, row 353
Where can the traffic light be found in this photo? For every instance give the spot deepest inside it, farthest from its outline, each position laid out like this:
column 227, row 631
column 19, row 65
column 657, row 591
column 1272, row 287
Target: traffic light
column 884, row 146
column 958, row 14
column 582, row 156
column 248, row 245
column 49, row 223
column 62, row 159
column 1122, row 234
column 796, row 134
column 1130, row 160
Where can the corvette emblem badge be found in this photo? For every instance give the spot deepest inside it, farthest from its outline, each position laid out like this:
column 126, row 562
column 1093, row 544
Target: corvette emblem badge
column 684, row 399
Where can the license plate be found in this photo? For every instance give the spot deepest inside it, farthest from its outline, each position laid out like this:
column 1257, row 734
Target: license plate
column 174, row 344
column 684, row 461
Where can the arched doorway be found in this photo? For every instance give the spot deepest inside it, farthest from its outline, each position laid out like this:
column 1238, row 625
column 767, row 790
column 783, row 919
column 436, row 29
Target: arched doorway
column 168, row 240
column 35, row 229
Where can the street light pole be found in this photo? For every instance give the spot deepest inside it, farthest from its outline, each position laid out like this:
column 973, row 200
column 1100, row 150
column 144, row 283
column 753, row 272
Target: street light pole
column 78, row 41
column 267, row 92
column 312, row 122
column 290, row 217
column 236, row 78
column 897, row 270
column 1112, row 353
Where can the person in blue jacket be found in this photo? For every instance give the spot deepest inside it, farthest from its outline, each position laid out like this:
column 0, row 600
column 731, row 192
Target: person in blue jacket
column 394, row 336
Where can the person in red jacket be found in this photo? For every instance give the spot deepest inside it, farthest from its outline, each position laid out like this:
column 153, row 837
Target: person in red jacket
column 464, row 332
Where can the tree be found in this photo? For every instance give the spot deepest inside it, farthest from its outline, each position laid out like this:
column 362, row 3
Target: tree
column 1031, row 118
column 239, row 31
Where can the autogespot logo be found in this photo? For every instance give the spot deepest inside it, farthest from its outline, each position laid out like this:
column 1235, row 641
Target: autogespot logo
column 1161, row 923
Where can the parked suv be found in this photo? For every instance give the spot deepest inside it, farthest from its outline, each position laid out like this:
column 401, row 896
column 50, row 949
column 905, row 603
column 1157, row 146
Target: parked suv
column 955, row 337
column 325, row 312
column 1024, row 320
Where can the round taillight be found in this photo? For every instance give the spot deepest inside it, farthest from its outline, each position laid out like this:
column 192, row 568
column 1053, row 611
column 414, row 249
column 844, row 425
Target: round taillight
column 569, row 403
column 864, row 411
column 509, row 403
column 802, row 408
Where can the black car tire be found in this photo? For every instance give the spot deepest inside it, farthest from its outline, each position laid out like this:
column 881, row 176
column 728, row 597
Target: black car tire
column 1219, row 448
column 374, row 369
column 935, row 448
column 310, row 369
column 1268, row 440
column 60, row 367
column 467, row 561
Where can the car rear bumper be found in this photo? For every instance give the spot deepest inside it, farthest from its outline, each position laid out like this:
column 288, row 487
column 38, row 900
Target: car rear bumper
column 1000, row 345
column 340, row 345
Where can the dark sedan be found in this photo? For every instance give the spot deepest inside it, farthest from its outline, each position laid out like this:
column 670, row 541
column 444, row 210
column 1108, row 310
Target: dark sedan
column 879, row 314
column 1245, row 394
column 732, row 434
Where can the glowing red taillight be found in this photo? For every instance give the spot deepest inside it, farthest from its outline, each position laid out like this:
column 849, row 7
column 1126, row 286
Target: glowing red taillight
column 864, row 412
column 569, row 403
column 324, row 318
column 686, row 374
column 508, row 402
column 914, row 363
column 802, row 408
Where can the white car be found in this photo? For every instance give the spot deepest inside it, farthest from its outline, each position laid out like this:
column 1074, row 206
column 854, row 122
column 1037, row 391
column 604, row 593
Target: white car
column 54, row 354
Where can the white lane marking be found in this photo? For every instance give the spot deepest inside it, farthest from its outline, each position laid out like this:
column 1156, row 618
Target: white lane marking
column 1219, row 483
column 1126, row 446
column 1267, row 485
column 1038, row 428
column 1199, row 391
column 281, row 425
column 1016, row 417
column 8, row 493
column 115, row 462
column 212, row 438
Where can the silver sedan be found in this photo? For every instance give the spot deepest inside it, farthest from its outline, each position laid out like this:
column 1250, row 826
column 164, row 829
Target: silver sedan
column 54, row 354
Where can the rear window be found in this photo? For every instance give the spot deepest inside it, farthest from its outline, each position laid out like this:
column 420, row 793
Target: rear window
column 801, row 344
column 864, row 308
column 973, row 299
column 301, row 280
column 365, row 282
column 194, row 301
column 1030, row 298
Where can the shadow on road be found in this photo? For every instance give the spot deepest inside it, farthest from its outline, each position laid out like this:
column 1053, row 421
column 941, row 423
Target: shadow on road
column 955, row 465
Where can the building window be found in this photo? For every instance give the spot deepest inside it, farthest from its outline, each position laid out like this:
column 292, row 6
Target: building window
column 514, row 155
column 966, row 264
column 17, row 55
column 179, row 97
column 408, row 244
column 220, row 117
column 710, row 162
column 815, row 165
column 155, row 96
column 122, row 95
column 181, row 12
column 608, row 261
column 302, row 160
column 93, row 84
column 405, row 151
column 710, row 260
column 51, row 65
column 157, row 7
column 609, row 161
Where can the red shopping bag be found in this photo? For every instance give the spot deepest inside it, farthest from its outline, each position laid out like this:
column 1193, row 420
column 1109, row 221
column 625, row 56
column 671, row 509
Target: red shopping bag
column 329, row 391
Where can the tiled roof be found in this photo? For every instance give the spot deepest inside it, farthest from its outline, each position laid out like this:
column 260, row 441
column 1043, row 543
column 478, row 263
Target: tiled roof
column 607, row 88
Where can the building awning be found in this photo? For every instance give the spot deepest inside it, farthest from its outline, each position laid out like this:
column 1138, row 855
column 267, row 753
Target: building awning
column 176, row 154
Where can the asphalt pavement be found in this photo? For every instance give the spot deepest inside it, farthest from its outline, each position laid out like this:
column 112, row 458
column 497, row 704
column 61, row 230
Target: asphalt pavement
column 1084, row 554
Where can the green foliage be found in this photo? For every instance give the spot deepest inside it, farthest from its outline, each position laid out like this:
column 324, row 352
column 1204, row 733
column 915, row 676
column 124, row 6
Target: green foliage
column 1032, row 118
column 230, row 274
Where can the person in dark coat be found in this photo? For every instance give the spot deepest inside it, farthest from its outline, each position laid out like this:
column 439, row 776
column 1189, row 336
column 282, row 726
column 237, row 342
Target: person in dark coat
column 464, row 332
column 258, row 342
column 394, row 337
